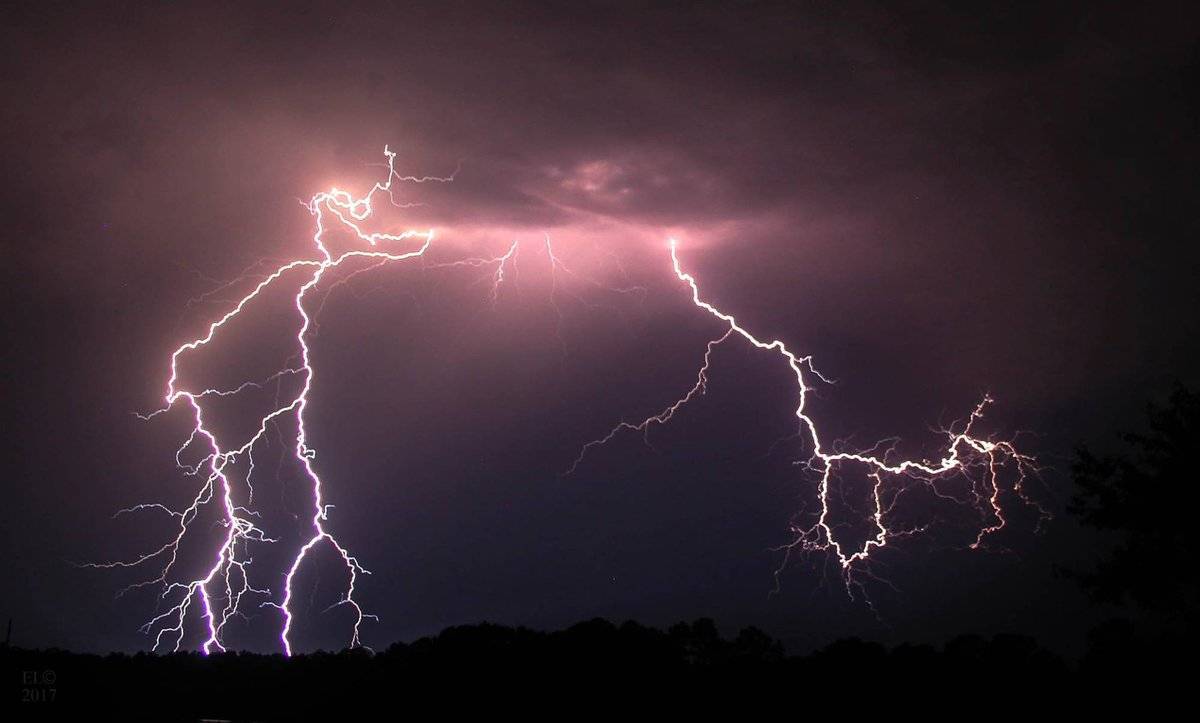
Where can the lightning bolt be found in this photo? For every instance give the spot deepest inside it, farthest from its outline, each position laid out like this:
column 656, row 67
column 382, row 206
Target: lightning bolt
column 226, row 467
column 964, row 454
column 219, row 593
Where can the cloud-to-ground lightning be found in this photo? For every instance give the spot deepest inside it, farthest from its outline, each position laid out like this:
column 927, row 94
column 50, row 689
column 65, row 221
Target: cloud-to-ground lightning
column 226, row 467
column 219, row 593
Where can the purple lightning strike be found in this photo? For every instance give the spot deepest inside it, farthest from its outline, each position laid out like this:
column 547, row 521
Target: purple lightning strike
column 226, row 466
column 978, row 459
column 220, row 592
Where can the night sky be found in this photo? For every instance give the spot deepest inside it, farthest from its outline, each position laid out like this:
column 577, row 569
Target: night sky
column 934, row 201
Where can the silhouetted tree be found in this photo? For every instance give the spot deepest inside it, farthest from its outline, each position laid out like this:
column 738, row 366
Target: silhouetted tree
column 1149, row 496
column 755, row 646
column 571, row 672
column 700, row 641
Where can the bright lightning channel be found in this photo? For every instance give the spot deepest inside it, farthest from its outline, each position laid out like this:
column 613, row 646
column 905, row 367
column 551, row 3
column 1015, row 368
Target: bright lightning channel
column 218, row 595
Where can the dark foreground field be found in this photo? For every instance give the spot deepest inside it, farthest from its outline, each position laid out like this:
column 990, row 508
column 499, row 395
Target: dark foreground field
column 598, row 666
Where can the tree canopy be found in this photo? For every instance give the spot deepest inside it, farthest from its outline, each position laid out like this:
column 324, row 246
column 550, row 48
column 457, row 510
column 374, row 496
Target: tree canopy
column 1148, row 494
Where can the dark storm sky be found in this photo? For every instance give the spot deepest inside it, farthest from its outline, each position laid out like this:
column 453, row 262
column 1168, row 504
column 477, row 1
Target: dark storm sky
column 934, row 201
